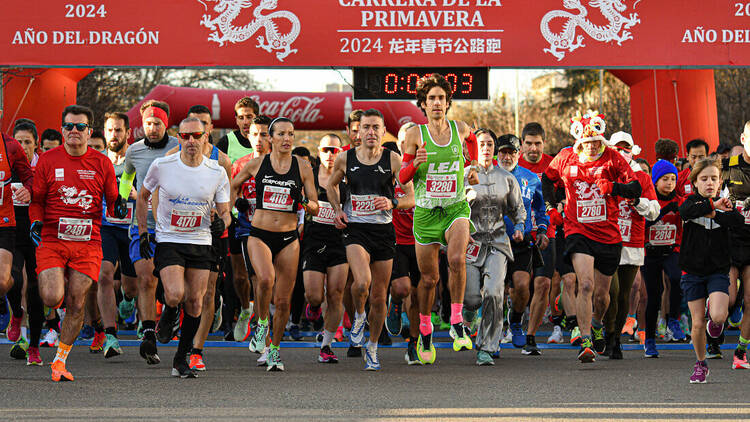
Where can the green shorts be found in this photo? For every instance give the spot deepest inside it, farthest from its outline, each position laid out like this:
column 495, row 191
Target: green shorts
column 430, row 225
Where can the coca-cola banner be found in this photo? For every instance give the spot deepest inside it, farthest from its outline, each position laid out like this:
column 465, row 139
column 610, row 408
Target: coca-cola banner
column 309, row 33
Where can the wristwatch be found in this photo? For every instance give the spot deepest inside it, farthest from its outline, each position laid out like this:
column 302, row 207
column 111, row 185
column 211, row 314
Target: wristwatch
column 394, row 201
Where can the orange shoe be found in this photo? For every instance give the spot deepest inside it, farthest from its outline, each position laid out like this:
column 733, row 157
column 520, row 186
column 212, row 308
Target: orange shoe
column 641, row 336
column 339, row 336
column 59, row 373
column 196, row 362
column 629, row 327
column 97, row 344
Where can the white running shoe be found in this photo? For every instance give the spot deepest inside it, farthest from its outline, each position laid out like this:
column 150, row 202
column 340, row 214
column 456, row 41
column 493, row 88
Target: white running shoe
column 557, row 336
column 263, row 359
column 50, row 339
column 508, row 337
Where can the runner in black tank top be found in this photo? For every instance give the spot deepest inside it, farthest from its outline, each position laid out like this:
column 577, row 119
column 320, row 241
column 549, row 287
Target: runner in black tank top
column 273, row 243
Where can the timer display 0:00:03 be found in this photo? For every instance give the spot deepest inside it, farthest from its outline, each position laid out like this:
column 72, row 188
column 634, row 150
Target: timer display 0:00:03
column 409, row 83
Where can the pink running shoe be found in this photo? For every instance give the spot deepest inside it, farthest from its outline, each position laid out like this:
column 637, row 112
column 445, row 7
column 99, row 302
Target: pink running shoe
column 740, row 360
column 14, row 329
column 327, row 356
column 33, row 357
column 312, row 315
column 700, row 373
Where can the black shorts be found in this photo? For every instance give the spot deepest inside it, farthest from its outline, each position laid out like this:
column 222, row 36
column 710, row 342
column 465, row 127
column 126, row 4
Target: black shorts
column 116, row 248
column 318, row 255
column 405, row 264
column 695, row 287
column 561, row 265
column 8, row 238
column 220, row 250
column 379, row 240
column 606, row 256
column 235, row 244
column 276, row 241
column 246, row 256
column 522, row 256
column 201, row 257
column 548, row 255
column 740, row 252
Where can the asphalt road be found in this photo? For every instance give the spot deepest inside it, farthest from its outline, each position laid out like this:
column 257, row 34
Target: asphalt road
column 518, row 387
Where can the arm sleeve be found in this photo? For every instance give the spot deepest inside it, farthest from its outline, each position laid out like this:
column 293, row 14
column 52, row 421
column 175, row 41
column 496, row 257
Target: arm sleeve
column 19, row 163
column 691, row 209
column 539, row 207
column 472, row 147
column 630, row 190
column 39, row 192
column 128, row 176
column 407, row 172
column 731, row 218
column 548, row 191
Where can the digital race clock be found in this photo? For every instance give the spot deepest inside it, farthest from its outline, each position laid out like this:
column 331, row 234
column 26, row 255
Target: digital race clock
column 400, row 83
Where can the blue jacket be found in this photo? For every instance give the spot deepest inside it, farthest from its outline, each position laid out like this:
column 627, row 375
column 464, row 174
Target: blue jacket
column 533, row 201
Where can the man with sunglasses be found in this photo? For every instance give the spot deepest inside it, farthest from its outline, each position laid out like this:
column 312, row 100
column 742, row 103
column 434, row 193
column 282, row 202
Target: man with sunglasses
column 66, row 214
column 189, row 186
column 138, row 159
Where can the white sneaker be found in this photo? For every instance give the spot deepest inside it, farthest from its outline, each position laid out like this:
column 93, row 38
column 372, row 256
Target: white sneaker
column 508, row 337
column 557, row 336
column 50, row 339
column 263, row 357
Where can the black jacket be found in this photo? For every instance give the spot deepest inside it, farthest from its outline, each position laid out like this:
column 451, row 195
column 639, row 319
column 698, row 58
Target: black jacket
column 705, row 241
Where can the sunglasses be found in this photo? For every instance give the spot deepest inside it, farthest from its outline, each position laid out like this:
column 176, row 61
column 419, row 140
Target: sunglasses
column 79, row 126
column 187, row 135
column 331, row 150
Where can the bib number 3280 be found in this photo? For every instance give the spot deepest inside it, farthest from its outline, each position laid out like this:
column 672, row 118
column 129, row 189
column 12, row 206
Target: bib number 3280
column 74, row 229
column 441, row 186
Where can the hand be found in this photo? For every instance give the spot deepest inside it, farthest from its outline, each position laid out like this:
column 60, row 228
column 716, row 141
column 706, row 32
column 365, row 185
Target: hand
column 35, row 232
column 421, row 156
column 120, row 208
column 518, row 236
column 382, row 203
column 133, row 194
column 723, row 204
column 217, row 226
column 555, row 218
column 242, row 205
column 145, row 245
column 670, row 207
column 22, row 195
column 473, row 177
column 605, row 186
column 340, row 220
column 542, row 241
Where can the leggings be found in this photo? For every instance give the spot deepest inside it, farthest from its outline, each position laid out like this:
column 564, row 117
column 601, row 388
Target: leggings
column 619, row 298
column 652, row 276
column 491, row 275
column 26, row 254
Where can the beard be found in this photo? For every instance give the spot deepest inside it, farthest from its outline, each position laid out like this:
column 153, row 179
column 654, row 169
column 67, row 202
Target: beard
column 117, row 147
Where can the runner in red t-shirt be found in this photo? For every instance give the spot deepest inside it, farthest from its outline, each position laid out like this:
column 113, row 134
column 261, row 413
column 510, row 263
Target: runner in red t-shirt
column 594, row 176
column 697, row 149
column 66, row 215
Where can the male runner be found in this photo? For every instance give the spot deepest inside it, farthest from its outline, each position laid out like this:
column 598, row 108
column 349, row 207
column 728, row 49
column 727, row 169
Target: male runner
column 138, row 159
column 50, row 139
column 697, row 149
column 236, row 144
column 66, row 213
column 434, row 157
column 190, row 185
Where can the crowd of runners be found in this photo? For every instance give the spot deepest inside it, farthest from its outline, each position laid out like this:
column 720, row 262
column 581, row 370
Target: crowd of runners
column 451, row 228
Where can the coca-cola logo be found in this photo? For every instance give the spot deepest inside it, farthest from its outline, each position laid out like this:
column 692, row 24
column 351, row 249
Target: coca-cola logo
column 404, row 120
column 298, row 108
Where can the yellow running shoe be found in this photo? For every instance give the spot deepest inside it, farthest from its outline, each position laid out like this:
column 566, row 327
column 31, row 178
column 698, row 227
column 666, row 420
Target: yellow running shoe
column 461, row 337
column 426, row 356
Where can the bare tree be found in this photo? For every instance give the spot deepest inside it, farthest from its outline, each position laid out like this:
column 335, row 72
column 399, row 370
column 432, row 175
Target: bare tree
column 732, row 103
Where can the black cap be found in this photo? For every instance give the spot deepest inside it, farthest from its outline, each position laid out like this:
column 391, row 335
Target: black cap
column 508, row 141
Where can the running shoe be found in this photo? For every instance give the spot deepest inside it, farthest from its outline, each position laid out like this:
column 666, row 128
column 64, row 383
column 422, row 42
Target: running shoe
column 393, row 319
column 242, row 328
column 519, row 337
column 126, row 308
column 139, row 331
column 313, row 314
column 371, row 359
column 616, row 350
column 599, row 340
column 353, row 351
column 180, row 368
column 258, row 342
column 641, row 334
column 649, row 348
column 713, row 349
column 508, row 337
column 471, row 320
column 675, row 329
column 50, row 339
column 713, row 329
column 405, row 324
column 630, row 325
column 586, row 354
column 169, row 324
column 294, row 332
column 575, row 336
column 97, row 344
column 739, row 361
column 357, row 334
column 700, row 373
column 33, row 357
column 339, row 336
column 425, row 349
column 384, row 339
column 59, row 373
column 5, row 315
column 411, row 356
column 661, row 328
column 461, row 337
column 530, row 348
column 148, row 351
column 19, row 348
column 111, row 347
column 327, row 356
column 557, row 336
column 735, row 318
column 319, row 337
column 196, row 362
column 484, row 359
column 87, row 332
column 218, row 319
column 14, row 329
column 274, row 362
column 263, row 359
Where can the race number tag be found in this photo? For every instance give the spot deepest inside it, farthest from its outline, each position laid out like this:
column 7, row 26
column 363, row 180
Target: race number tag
column 363, row 205
column 625, row 226
column 688, row 189
column 277, row 198
column 185, row 221
column 592, row 210
column 472, row 251
column 14, row 187
column 325, row 213
column 128, row 218
column 744, row 212
column 74, row 229
column 662, row 234
column 441, row 186
column 251, row 210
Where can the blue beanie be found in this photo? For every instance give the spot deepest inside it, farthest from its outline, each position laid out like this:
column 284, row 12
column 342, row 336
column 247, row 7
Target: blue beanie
column 661, row 168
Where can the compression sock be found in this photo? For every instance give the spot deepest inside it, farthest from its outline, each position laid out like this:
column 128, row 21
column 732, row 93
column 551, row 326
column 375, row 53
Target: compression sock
column 327, row 338
column 456, row 313
column 571, row 322
column 425, row 325
column 742, row 344
column 515, row 317
column 62, row 352
column 187, row 334
column 149, row 330
column 556, row 319
column 111, row 331
column 595, row 323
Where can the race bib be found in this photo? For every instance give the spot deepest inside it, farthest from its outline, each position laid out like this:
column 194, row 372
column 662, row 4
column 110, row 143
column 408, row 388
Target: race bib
column 662, row 234
column 251, row 210
column 441, row 186
column 185, row 221
column 14, row 187
column 688, row 189
column 325, row 213
column 277, row 198
column 472, row 251
column 74, row 229
column 625, row 226
column 128, row 218
column 744, row 212
column 363, row 205
column 592, row 210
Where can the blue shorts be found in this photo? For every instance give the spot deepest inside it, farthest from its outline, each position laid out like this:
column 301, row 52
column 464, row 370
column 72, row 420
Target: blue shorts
column 135, row 244
column 695, row 287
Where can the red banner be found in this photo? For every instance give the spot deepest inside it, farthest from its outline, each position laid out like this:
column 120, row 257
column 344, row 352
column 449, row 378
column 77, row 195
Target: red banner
column 322, row 33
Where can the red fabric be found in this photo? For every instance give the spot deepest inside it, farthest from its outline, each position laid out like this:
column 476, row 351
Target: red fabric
column 631, row 223
column 555, row 218
column 580, row 185
column 72, row 187
column 672, row 217
column 84, row 257
column 605, row 186
column 403, row 222
column 407, row 172
column 684, row 186
column 13, row 162
column 539, row 168
column 248, row 188
column 472, row 146
column 155, row 112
